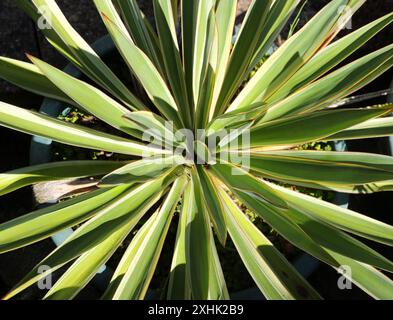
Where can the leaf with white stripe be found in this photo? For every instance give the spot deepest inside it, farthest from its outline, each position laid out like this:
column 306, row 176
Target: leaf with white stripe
column 274, row 275
column 373, row 128
column 243, row 52
column 37, row 124
column 78, row 50
column 331, row 56
column 123, row 212
column 89, row 97
column 335, row 86
column 141, row 257
column 29, row 77
column 166, row 28
column 146, row 72
column 292, row 55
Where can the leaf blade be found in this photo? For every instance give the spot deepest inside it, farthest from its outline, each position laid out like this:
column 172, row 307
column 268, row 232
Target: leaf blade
column 213, row 205
column 273, row 274
column 146, row 72
column 115, row 216
column 29, row 77
column 243, row 52
column 31, row 122
column 329, row 170
column 303, row 128
column 73, row 46
column 16, row 179
column 143, row 255
column 331, row 56
column 87, row 96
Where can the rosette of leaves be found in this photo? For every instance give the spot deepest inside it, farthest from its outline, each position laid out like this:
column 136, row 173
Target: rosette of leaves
column 194, row 78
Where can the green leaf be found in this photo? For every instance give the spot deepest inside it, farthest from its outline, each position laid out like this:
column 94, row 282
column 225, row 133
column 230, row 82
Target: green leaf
column 141, row 257
column 294, row 24
column 178, row 284
column 217, row 286
column 367, row 278
column 337, row 241
column 299, row 129
column 251, row 192
column 42, row 223
column 19, row 178
column 73, row 46
column 123, row 213
column 126, row 260
column 373, row 128
column 344, row 251
column 327, row 170
column 225, row 21
column 175, row 9
column 29, row 77
column 202, row 268
column 149, row 43
column 153, row 126
column 35, row 14
column 86, row 266
column 140, row 171
column 232, row 138
column 146, row 72
column 279, row 14
column 213, row 204
column 166, row 28
column 208, row 76
column 34, row 123
column 107, row 9
column 292, row 55
column 139, row 28
column 200, row 45
column 326, row 91
column 331, row 56
column 243, row 51
column 198, row 254
column 90, row 98
column 239, row 178
column 338, row 217
column 274, row 275
column 189, row 12
column 235, row 118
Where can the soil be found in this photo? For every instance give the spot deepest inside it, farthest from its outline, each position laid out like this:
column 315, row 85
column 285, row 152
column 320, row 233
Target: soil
column 18, row 35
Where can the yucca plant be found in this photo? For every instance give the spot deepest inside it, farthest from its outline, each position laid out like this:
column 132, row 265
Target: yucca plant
column 195, row 78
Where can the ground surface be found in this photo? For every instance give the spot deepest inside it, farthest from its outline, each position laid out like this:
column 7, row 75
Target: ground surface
column 18, row 35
